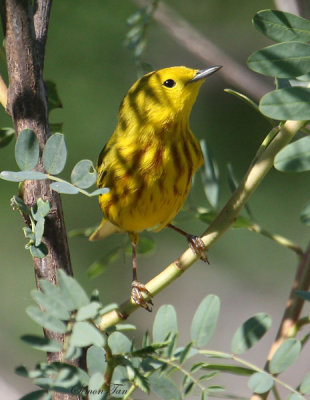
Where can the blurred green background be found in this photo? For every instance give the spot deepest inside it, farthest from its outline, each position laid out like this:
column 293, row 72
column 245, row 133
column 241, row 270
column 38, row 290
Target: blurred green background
column 93, row 70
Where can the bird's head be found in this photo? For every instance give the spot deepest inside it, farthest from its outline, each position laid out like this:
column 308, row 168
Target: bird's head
column 165, row 95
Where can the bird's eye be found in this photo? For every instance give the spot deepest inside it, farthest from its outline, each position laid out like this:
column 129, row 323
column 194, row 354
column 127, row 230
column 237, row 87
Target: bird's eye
column 170, row 83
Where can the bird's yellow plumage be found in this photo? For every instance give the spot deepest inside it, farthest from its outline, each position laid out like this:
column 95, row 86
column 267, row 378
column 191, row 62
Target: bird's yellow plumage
column 149, row 162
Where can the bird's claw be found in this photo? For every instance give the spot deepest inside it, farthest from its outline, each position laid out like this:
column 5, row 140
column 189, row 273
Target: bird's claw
column 137, row 288
column 198, row 247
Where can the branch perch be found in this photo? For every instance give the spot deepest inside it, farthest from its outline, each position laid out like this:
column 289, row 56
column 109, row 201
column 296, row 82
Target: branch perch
column 259, row 167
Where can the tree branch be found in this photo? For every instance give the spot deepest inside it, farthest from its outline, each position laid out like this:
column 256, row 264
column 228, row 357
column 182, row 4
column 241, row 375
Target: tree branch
column 292, row 311
column 204, row 49
column 260, row 166
column 27, row 104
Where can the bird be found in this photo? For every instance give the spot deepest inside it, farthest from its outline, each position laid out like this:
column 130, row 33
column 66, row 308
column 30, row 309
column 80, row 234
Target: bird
column 149, row 161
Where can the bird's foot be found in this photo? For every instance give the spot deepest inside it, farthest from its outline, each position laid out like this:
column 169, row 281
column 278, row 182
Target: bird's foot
column 198, row 247
column 137, row 290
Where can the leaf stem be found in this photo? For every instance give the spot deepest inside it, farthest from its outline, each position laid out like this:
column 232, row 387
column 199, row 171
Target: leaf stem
column 249, row 365
column 281, row 240
column 56, row 179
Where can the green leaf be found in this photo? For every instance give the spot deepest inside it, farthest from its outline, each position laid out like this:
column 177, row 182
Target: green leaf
column 119, row 343
column 295, row 157
column 27, row 150
column 305, row 384
column 85, row 334
column 249, row 333
column 6, row 135
column 53, row 304
column 36, row 395
column 303, row 294
column 38, row 231
column 46, row 320
column 95, row 384
column 21, row 176
column 40, row 251
column 287, row 104
column 90, row 311
column 145, row 245
column 282, row 26
column 83, row 174
column 295, row 396
column 185, row 353
column 283, row 60
column 305, row 215
column 98, row 192
column 164, row 323
column 210, row 175
column 260, row 382
column 64, row 187
column 72, row 289
column 53, row 97
column 42, row 343
column 55, row 154
column 95, row 358
column 163, row 387
column 99, row 266
column 205, row 320
column 285, row 356
column 216, row 389
column 231, row 369
column 41, row 209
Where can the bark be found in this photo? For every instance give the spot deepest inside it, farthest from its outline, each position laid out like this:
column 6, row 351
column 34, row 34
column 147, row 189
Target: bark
column 26, row 25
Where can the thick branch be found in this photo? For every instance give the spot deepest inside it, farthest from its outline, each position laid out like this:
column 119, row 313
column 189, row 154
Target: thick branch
column 204, row 49
column 27, row 104
column 41, row 20
column 260, row 166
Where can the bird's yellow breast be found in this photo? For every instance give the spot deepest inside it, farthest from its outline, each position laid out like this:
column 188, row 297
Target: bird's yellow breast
column 149, row 177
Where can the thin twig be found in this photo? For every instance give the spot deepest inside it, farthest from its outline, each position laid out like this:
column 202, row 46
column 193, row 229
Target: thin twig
column 204, row 49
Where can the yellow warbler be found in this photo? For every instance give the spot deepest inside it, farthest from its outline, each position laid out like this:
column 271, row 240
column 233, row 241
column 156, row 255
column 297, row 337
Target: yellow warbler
column 149, row 161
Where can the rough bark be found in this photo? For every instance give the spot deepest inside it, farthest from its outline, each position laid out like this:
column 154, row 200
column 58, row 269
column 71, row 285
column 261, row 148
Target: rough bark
column 26, row 26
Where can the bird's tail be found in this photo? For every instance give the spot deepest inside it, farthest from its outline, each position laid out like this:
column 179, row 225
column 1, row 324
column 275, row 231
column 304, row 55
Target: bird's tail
column 105, row 229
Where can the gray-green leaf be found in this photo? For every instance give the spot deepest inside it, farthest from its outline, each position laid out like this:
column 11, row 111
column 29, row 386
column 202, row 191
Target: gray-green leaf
column 210, row 175
column 83, row 174
column 287, row 104
column 85, row 334
column 95, row 359
column 205, row 320
column 283, row 60
column 260, row 382
column 282, row 26
column 72, row 289
column 285, row 356
column 164, row 387
column 249, row 333
column 55, row 154
column 46, row 320
column 95, row 384
column 21, row 176
column 164, row 323
column 27, row 150
column 42, row 343
column 295, row 157
column 64, row 187
column 119, row 343
column 305, row 384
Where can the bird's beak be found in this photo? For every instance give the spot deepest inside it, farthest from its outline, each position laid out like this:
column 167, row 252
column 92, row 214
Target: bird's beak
column 204, row 73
